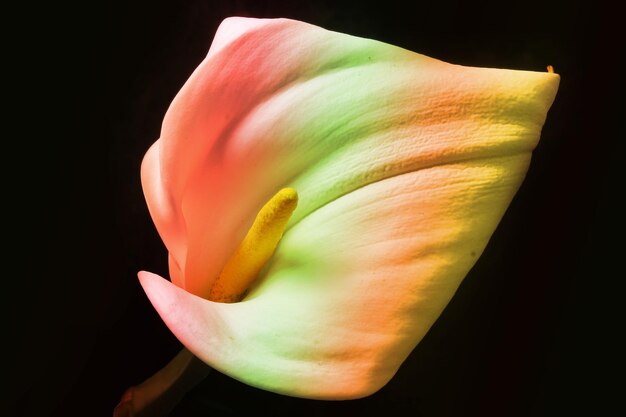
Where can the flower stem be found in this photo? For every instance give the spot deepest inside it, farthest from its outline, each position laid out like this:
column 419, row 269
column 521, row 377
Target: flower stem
column 159, row 394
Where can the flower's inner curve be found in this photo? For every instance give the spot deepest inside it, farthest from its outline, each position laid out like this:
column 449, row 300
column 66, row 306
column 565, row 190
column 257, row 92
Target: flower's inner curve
column 256, row 248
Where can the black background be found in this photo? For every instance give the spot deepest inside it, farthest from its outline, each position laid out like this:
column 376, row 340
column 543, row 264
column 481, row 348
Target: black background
column 530, row 331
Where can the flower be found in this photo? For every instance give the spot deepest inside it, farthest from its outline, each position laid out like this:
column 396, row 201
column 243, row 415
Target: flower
column 401, row 167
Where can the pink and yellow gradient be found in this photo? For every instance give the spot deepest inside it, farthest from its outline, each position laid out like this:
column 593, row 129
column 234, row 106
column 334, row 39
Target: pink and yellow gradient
column 403, row 166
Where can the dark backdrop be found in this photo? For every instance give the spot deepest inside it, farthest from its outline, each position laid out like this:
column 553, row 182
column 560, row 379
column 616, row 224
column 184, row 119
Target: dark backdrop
column 528, row 333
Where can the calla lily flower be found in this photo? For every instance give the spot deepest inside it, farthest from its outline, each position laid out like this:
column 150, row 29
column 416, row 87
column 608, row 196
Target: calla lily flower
column 322, row 196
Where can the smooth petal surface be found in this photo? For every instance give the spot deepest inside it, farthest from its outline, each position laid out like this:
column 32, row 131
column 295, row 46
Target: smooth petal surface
column 404, row 166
